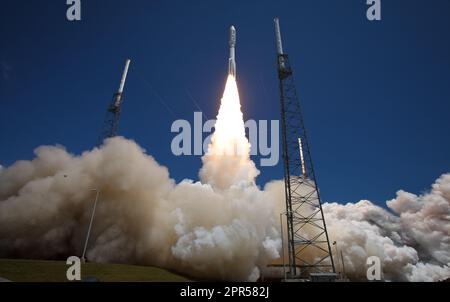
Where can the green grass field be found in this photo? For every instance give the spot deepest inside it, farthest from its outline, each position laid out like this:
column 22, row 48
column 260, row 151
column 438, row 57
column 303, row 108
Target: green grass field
column 55, row 271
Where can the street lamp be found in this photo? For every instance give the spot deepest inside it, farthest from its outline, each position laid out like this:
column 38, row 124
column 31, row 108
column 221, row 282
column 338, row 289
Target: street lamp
column 83, row 259
column 337, row 254
column 282, row 242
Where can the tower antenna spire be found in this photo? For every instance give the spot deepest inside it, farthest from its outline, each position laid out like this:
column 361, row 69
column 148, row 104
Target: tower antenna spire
column 111, row 123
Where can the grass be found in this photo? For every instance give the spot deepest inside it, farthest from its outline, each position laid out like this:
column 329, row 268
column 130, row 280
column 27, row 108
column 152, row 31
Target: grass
column 55, row 271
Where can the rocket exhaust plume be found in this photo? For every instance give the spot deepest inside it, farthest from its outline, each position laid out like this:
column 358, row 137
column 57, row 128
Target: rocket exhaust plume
column 227, row 161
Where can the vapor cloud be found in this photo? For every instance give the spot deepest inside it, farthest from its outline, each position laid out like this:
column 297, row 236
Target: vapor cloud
column 412, row 240
column 144, row 217
column 222, row 227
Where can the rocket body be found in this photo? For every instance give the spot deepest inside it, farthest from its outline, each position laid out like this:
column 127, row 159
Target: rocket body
column 232, row 45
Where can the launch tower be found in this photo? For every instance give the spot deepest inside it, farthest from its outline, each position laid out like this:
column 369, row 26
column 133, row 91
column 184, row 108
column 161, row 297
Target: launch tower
column 309, row 250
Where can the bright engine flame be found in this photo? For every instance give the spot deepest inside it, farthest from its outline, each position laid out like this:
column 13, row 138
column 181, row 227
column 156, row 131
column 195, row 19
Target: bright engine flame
column 229, row 136
column 227, row 161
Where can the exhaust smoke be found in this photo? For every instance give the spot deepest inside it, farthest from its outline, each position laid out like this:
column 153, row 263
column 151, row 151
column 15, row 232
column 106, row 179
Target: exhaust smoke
column 221, row 228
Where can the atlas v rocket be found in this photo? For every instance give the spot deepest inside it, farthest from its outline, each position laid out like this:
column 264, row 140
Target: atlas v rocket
column 231, row 59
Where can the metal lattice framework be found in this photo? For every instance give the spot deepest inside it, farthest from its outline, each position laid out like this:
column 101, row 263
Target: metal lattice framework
column 308, row 243
column 112, row 118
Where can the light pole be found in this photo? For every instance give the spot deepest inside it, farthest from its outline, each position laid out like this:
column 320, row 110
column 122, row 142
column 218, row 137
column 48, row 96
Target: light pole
column 343, row 265
column 83, row 259
column 282, row 242
column 337, row 253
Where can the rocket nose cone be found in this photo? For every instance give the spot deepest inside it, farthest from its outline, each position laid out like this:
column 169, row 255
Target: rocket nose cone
column 232, row 36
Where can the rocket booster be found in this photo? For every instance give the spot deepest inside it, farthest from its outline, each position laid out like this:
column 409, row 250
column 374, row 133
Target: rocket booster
column 231, row 59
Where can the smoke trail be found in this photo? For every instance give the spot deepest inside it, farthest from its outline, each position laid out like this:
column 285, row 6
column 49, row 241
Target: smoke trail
column 227, row 161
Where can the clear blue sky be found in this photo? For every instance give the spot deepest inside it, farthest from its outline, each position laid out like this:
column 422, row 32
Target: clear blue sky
column 376, row 96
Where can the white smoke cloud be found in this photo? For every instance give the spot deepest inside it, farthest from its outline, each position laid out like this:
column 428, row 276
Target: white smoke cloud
column 413, row 243
column 143, row 217
column 222, row 228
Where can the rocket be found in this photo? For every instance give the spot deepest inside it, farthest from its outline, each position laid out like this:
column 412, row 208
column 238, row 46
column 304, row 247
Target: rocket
column 231, row 59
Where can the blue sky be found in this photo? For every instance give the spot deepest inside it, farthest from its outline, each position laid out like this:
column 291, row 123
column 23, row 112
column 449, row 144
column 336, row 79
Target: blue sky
column 375, row 95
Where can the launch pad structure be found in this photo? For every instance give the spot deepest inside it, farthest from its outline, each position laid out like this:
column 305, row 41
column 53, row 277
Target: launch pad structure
column 308, row 245
column 309, row 250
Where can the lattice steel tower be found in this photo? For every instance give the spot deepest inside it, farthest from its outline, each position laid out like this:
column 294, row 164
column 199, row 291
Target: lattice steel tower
column 307, row 238
column 111, row 123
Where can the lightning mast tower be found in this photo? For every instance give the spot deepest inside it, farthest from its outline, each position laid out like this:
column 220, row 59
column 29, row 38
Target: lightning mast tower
column 308, row 244
column 109, row 130
column 113, row 113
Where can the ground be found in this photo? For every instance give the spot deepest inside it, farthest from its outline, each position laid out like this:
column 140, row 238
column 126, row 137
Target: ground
column 55, row 271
